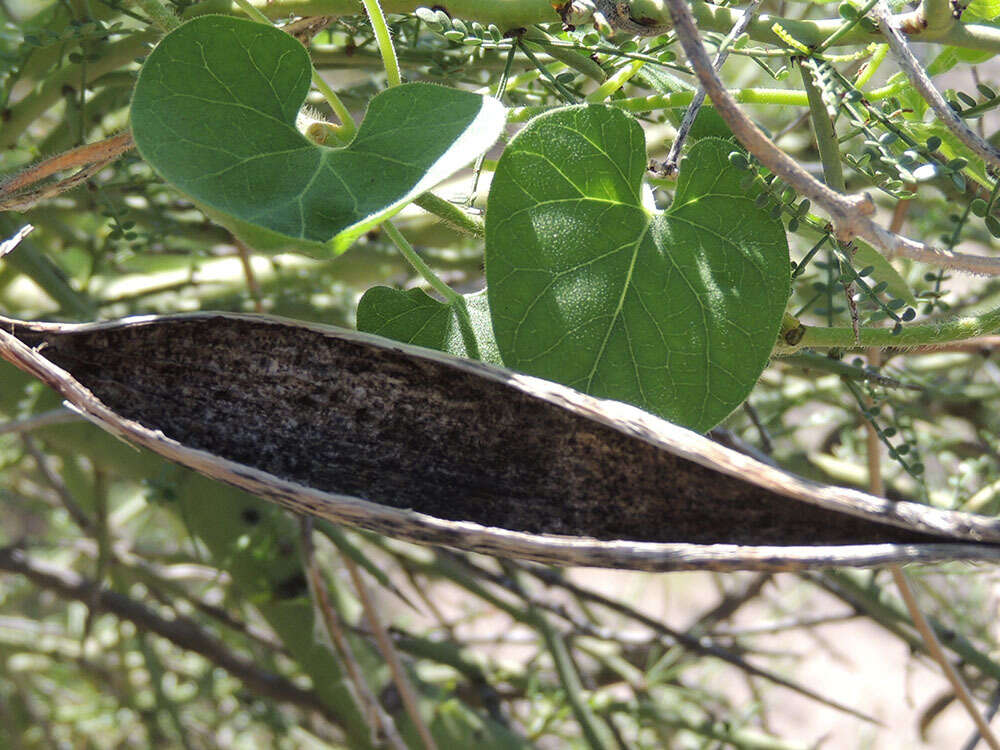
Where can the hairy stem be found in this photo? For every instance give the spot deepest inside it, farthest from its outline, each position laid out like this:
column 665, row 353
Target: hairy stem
column 514, row 14
column 162, row 16
column 958, row 329
column 384, row 40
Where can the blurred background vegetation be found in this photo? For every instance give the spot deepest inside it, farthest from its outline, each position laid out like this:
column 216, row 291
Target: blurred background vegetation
column 143, row 606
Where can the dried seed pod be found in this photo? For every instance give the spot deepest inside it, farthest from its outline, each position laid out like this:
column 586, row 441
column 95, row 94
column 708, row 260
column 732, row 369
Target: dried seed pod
column 422, row 446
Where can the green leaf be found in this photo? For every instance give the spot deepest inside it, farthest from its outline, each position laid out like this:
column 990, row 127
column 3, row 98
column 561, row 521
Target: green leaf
column 674, row 312
column 946, row 59
column 981, row 10
column 214, row 113
column 413, row 317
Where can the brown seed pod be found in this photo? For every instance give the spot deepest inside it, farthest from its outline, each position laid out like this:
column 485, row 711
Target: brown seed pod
column 425, row 447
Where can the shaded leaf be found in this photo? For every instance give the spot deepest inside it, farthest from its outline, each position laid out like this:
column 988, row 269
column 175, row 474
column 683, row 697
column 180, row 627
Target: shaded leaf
column 414, row 317
column 214, row 113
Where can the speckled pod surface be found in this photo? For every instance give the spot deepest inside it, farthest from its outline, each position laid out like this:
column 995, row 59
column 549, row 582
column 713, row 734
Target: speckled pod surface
column 421, row 446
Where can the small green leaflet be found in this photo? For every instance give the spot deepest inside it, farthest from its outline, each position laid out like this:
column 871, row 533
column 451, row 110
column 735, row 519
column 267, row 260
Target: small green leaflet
column 675, row 312
column 866, row 255
column 214, row 114
column 414, row 317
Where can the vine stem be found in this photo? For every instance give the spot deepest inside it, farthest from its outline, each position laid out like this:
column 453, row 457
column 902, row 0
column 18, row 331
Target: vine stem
column 513, row 14
column 347, row 125
column 91, row 157
column 406, row 250
column 816, row 337
column 921, row 82
column 850, row 214
column 451, row 215
column 455, row 300
column 384, row 39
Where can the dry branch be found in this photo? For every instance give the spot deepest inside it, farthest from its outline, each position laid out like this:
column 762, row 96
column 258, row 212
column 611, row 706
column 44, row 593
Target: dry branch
column 850, row 214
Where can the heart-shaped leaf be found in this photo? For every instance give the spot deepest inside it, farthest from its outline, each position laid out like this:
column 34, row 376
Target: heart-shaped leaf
column 674, row 312
column 214, row 113
column 414, row 317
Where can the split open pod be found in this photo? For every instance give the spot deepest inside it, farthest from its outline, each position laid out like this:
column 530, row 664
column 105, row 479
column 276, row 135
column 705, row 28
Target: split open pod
column 426, row 447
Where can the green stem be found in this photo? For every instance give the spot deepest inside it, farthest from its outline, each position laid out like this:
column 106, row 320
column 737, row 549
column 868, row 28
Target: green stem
column 826, row 136
column 452, row 215
column 775, row 97
column 455, row 300
column 938, row 14
column 384, row 40
column 615, row 82
column 958, row 329
column 568, row 96
column 566, row 53
column 406, row 250
column 848, row 25
column 595, row 735
column 161, row 15
column 513, row 14
column 347, row 127
column 251, row 11
column 873, row 65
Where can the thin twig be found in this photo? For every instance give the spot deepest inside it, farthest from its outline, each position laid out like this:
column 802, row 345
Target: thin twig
column 700, row 645
column 80, row 518
column 331, row 622
column 384, row 644
column 850, row 213
column 937, row 653
column 872, row 442
column 180, row 630
column 252, row 286
column 27, row 200
column 37, row 421
column 669, row 165
column 991, row 711
column 921, row 82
